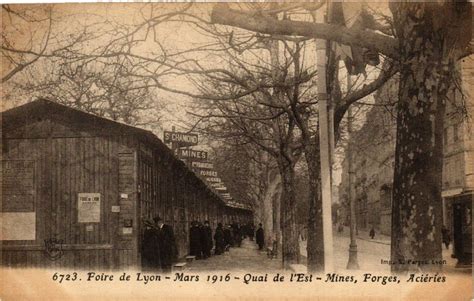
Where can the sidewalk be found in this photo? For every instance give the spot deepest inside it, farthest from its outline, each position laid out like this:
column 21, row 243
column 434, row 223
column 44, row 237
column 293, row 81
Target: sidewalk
column 372, row 255
column 449, row 267
column 246, row 258
column 364, row 235
column 372, row 252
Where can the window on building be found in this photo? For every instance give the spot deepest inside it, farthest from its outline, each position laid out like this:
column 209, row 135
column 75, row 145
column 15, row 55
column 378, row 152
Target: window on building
column 456, row 132
column 446, row 174
column 386, row 196
column 459, row 172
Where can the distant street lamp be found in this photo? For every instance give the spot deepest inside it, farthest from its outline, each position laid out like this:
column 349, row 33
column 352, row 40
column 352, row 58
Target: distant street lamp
column 352, row 264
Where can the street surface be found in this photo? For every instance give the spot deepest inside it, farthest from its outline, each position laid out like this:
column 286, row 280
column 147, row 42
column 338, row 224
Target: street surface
column 245, row 259
column 248, row 258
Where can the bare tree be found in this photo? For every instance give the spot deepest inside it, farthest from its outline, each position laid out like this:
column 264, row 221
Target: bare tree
column 31, row 33
column 249, row 79
column 252, row 99
column 104, row 89
column 425, row 47
column 91, row 67
column 251, row 176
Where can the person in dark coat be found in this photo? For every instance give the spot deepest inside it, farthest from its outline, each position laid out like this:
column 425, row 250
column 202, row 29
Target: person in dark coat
column 219, row 239
column 195, row 247
column 228, row 242
column 260, row 237
column 168, row 249
column 340, row 228
column 244, row 231
column 372, row 232
column 251, row 231
column 206, row 239
column 237, row 234
column 445, row 236
column 150, row 247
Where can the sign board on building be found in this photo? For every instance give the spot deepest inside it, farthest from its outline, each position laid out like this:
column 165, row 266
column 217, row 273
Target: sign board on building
column 202, row 165
column 208, row 173
column 18, row 186
column 181, row 139
column 213, row 180
column 88, row 207
column 192, row 154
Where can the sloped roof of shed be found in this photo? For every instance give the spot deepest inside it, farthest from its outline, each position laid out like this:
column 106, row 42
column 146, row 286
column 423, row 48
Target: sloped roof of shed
column 46, row 109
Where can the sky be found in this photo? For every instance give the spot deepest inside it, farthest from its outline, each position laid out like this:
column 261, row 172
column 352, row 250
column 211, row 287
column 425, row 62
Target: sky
column 175, row 36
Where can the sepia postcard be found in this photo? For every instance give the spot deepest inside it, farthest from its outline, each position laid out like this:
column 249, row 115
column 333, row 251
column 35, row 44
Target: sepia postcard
column 299, row 150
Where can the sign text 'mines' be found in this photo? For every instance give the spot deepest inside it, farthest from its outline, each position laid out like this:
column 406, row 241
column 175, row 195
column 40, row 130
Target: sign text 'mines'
column 192, row 154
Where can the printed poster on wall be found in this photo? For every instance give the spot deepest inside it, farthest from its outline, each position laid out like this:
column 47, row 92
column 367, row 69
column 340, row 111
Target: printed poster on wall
column 88, row 208
column 18, row 226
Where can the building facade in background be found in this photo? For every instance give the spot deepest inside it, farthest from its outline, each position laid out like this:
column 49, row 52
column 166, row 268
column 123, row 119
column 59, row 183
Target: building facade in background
column 458, row 166
column 373, row 161
column 373, row 147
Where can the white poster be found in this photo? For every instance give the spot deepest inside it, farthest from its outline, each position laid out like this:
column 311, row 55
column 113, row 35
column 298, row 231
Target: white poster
column 18, row 225
column 88, row 208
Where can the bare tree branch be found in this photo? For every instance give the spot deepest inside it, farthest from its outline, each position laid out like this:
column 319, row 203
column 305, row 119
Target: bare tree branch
column 224, row 15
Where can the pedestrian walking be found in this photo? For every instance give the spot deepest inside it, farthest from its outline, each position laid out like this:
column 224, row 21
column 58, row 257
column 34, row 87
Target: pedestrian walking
column 237, row 234
column 260, row 237
column 167, row 242
column 228, row 237
column 446, row 236
column 372, row 232
column 340, row 228
column 251, row 230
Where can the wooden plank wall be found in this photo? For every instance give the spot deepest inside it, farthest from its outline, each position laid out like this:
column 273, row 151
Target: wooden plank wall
column 21, row 149
column 65, row 167
column 139, row 179
column 126, row 243
column 68, row 163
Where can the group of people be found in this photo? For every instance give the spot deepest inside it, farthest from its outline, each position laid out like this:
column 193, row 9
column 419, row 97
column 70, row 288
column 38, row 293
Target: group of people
column 200, row 240
column 229, row 236
column 225, row 237
column 159, row 249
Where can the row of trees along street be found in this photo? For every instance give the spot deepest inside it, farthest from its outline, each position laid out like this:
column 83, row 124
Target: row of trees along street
column 247, row 73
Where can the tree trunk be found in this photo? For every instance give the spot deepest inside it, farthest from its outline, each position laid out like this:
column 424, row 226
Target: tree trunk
column 315, row 246
column 276, row 237
column 272, row 192
column 290, row 243
column 424, row 82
